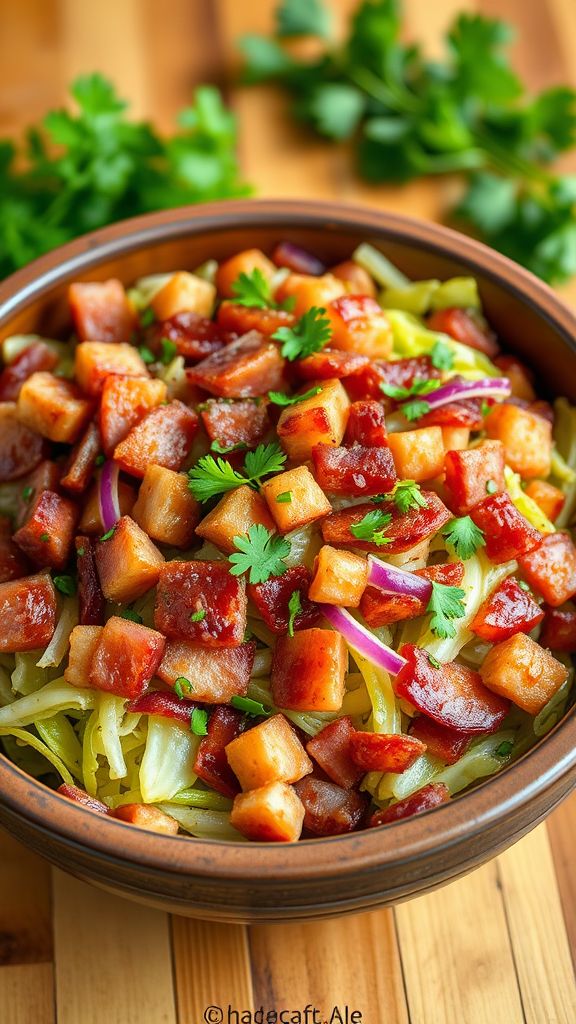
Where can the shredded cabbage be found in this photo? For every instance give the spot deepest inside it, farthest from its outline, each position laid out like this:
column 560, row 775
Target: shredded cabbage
column 6, row 693
column 58, row 734
column 385, row 712
column 525, row 504
column 27, row 676
column 168, row 761
column 460, row 292
column 204, row 824
column 52, row 698
column 107, row 739
column 379, row 267
column 415, row 298
column 412, row 338
column 478, row 762
column 22, row 736
column 58, row 647
column 146, row 288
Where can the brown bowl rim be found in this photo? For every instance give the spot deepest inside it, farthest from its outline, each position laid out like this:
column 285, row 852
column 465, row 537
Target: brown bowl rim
column 491, row 801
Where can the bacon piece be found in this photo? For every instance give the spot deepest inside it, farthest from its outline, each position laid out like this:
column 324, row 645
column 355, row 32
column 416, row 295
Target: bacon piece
column 166, row 705
column 21, row 449
column 401, row 373
column 80, row 796
column 447, row 745
column 331, row 748
column 247, row 368
column 188, row 589
column 36, row 357
column 404, row 531
column 366, row 425
column 211, row 764
column 147, row 817
column 308, row 671
column 354, row 471
column 47, row 535
column 467, row 413
column 229, row 423
column 506, row 532
column 216, row 673
column 13, row 562
column 91, row 602
column 432, row 795
column 467, row 329
column 101, row 311
column 126, row 658
column 328, row 809
column 27, row 613
column 381, row 609
column 195, row 336
column 550, row 567
column 469, row 473
column 81, row 462
column 163, row 438
column 559, row 630
column 243, row 319
column 377, row 752
column 272, row 598
column 125, row 402
column 84, row 641
column 331, row 364
column 508, row 610
column 46, row 477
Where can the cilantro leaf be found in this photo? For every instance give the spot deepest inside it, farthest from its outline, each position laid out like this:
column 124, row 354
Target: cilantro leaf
column 302, row 18
column 294, row 608
column 279, row 398
column 169, row 350
column 264, row 460
column 335, row 109
column 210, row 477
column 415, row 409
column 131, row 615
column 371, row 527
column 406, row 495
column 445, row 604
column 464, row 537
column 252, row 290
column 260, row 553
column 420, row 386
column 225, row 449
column 442, row 356
column 309, row 334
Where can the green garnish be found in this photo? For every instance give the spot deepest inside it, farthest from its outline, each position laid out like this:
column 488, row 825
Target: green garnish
column 169, row 350
column 146, row 355
column 260, row 553
column 198, row 616
column 81, row 552
column 199, row 722
column 108, row 534
column 523, row 585
column 406, row 495
column 294, row 607
column 415, row 410
column 147, row 317
column 65, row 584
column 505, row 749
column 253, row 290
column 399, row 393
column 491, row 487
column 27, row 493
column 210, row 476
column 434, row 661
column 284, row 498
column 371, row 527
column 311, row 332
column 223, row 449
column 445, row 604
column 250, row 707
column 182, row 686
column 463, row 536
column 44, row 537
column 442, row 356
column 279, row 398
column 484, row 408
column 131, row 615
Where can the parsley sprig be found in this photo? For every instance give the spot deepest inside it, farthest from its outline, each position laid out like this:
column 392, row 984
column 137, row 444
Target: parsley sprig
column 372, row 526
column 445, row 604
column 310, row 334
column 260, row 553
column 253, row 290
column 279, row 398
column 410, row 116
column 211, row 477
column 463, row 536
column 406, row 495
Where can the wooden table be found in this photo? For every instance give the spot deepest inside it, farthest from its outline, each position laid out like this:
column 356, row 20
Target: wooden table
column 495, row 947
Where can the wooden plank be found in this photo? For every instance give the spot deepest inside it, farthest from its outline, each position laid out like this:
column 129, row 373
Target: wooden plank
column 31, row 84
column 113, row 959
column 456, row 954
column 561, row 828
column 536, row 924
column 25, row 922
column 211, row 967
column 27, row 994
column 353, row 962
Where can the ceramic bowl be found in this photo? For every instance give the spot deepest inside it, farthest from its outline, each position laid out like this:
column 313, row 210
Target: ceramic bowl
column 320, row 877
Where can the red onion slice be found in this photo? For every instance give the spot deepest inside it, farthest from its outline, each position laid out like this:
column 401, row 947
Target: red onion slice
column 397, row 581
column 362, row 640
column 455, row 390
column 300, row 261
column 108, row 500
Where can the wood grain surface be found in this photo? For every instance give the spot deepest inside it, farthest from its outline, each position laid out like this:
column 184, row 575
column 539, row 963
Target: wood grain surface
column 497, row 945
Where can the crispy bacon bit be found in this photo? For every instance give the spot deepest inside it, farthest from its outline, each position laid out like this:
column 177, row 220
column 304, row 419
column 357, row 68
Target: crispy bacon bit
column 447, row 745
column 163, row 438
column 125, row 402
column 247, row 368
column 32, row 359
column 215, row 674
column 229, row 423
column 469, row 473
column 166, row 705
column 328, row 809
column 211, row 764
column 82, row 460
column 366, row 424
column 242, row 319
column 27, row 613
column 331, row 748
column 272, row 599
column 21, row 450
column 559, row 629
column 404, row 531
column 196, row 337
column 432, row 795
column 507, row 533
column 48, row 533
column 126, row 657
column 91, row 602
column 101, row 311
column 466, row 329
column 201, row 602
column 331, row 364
column 354, row 471
column 550, row 567
column 80, row 796
column 377, row 752
column 381, row 609
column 508, row 610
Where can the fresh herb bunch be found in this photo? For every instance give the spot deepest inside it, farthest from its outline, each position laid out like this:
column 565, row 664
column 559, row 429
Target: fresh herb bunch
column 410, row 116
column 85, row 169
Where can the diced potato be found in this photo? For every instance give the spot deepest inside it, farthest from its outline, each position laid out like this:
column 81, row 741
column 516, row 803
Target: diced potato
column 83, row 643
column 308, row 671
column 91, row 521
column 527, row 438
column 320, row 419
column 184, row 293
column 455, row 439
column 21, row 449
column 128, row 563
column 126, row 657
column 473, row 473
column 148, row 817
column 356, row 279
column 201, row 602
column 163, row 438
column 360, row 325
column 96, row 360
column 241, row 319
column 233, row 516
column 166, row 509
column 307, row 500
column 549, row 498
column 125, row 401
column 272, row 813
column 244, row 262
column 418, row 454
column 525, row 673
column 47, row 535
column 27, row 613
column 340, row 577
column 53, row 407
column 216, row 674
column 101, row 311
column 270, row 752
column 309, row 290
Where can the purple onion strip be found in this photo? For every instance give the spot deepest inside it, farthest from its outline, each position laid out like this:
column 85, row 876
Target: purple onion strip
column 362, row 640
column 108, row 499
column 397, row 581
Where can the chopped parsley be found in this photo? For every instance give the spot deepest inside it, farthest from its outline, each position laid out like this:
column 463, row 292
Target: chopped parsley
column 198, row 616
column 279, row 398
column 44, row 537
column 65, row 584
column 27, row 493
column 434, row 661
column 211, row 477
column 182, row 686
column 260, row 553
column 310, row 334
column 253, row 290
column 250, row 707
column 199, row 722
column 371, row 527
column 108, row 534
column 420, row 386
column 131, row 615
column 100, row 460
column 445, row 604
column 168, row 350
column 146, row 355
column 406, row 495
column 294, row 607
column 442, row 356
column 147, row 317
column 223, row 449
column 491, row 487
column 284, row 498
column 464, row 537
column 505, row 749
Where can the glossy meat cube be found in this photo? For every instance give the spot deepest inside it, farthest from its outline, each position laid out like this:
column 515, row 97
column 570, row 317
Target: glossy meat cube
column 378, row 752
column 308, row 671
column 97, row 360
column 101, row 311
column 21, row 449
column 380, row 609
column 320, row 419
column 354, row 471
column 246, row 368
column 328, row 809
column 215, row 674
column 165, row 508
column 340, row 577
column 211, row 764
column 359, row 324
column 33, row 359
column 466, row 329
column 550, row 567
column 233, row 516
column 91, row 602
column 125, row 401
column 148, row 817
column 229, row 423
column 452, row 695
column 447, row 745
column 330, row 364
column 27, row 613
column 418, row 454
column 13, row 562
column 241, row 319
column 126, row 657
column 467, row 413
column 331, row 748
column 469, row 474
column 53, row 407
column 163, row 438
column 47, row 535
column 45, row 477
column 520, row 377
column 128, row 562
column 526, row 437
column 269, row 752
column 559, row 629
column 404, row 531
column 272, row 598
column 294, row 499
column 188, row 589
column 432, row 795
column 507, row 533
column 366, row 383
column 84, row 642
column 366, row 424
column 195, row 337
column 356, row 279
column 509, row 609
column 520, row 670
column 80, row 796
column 272, row 813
